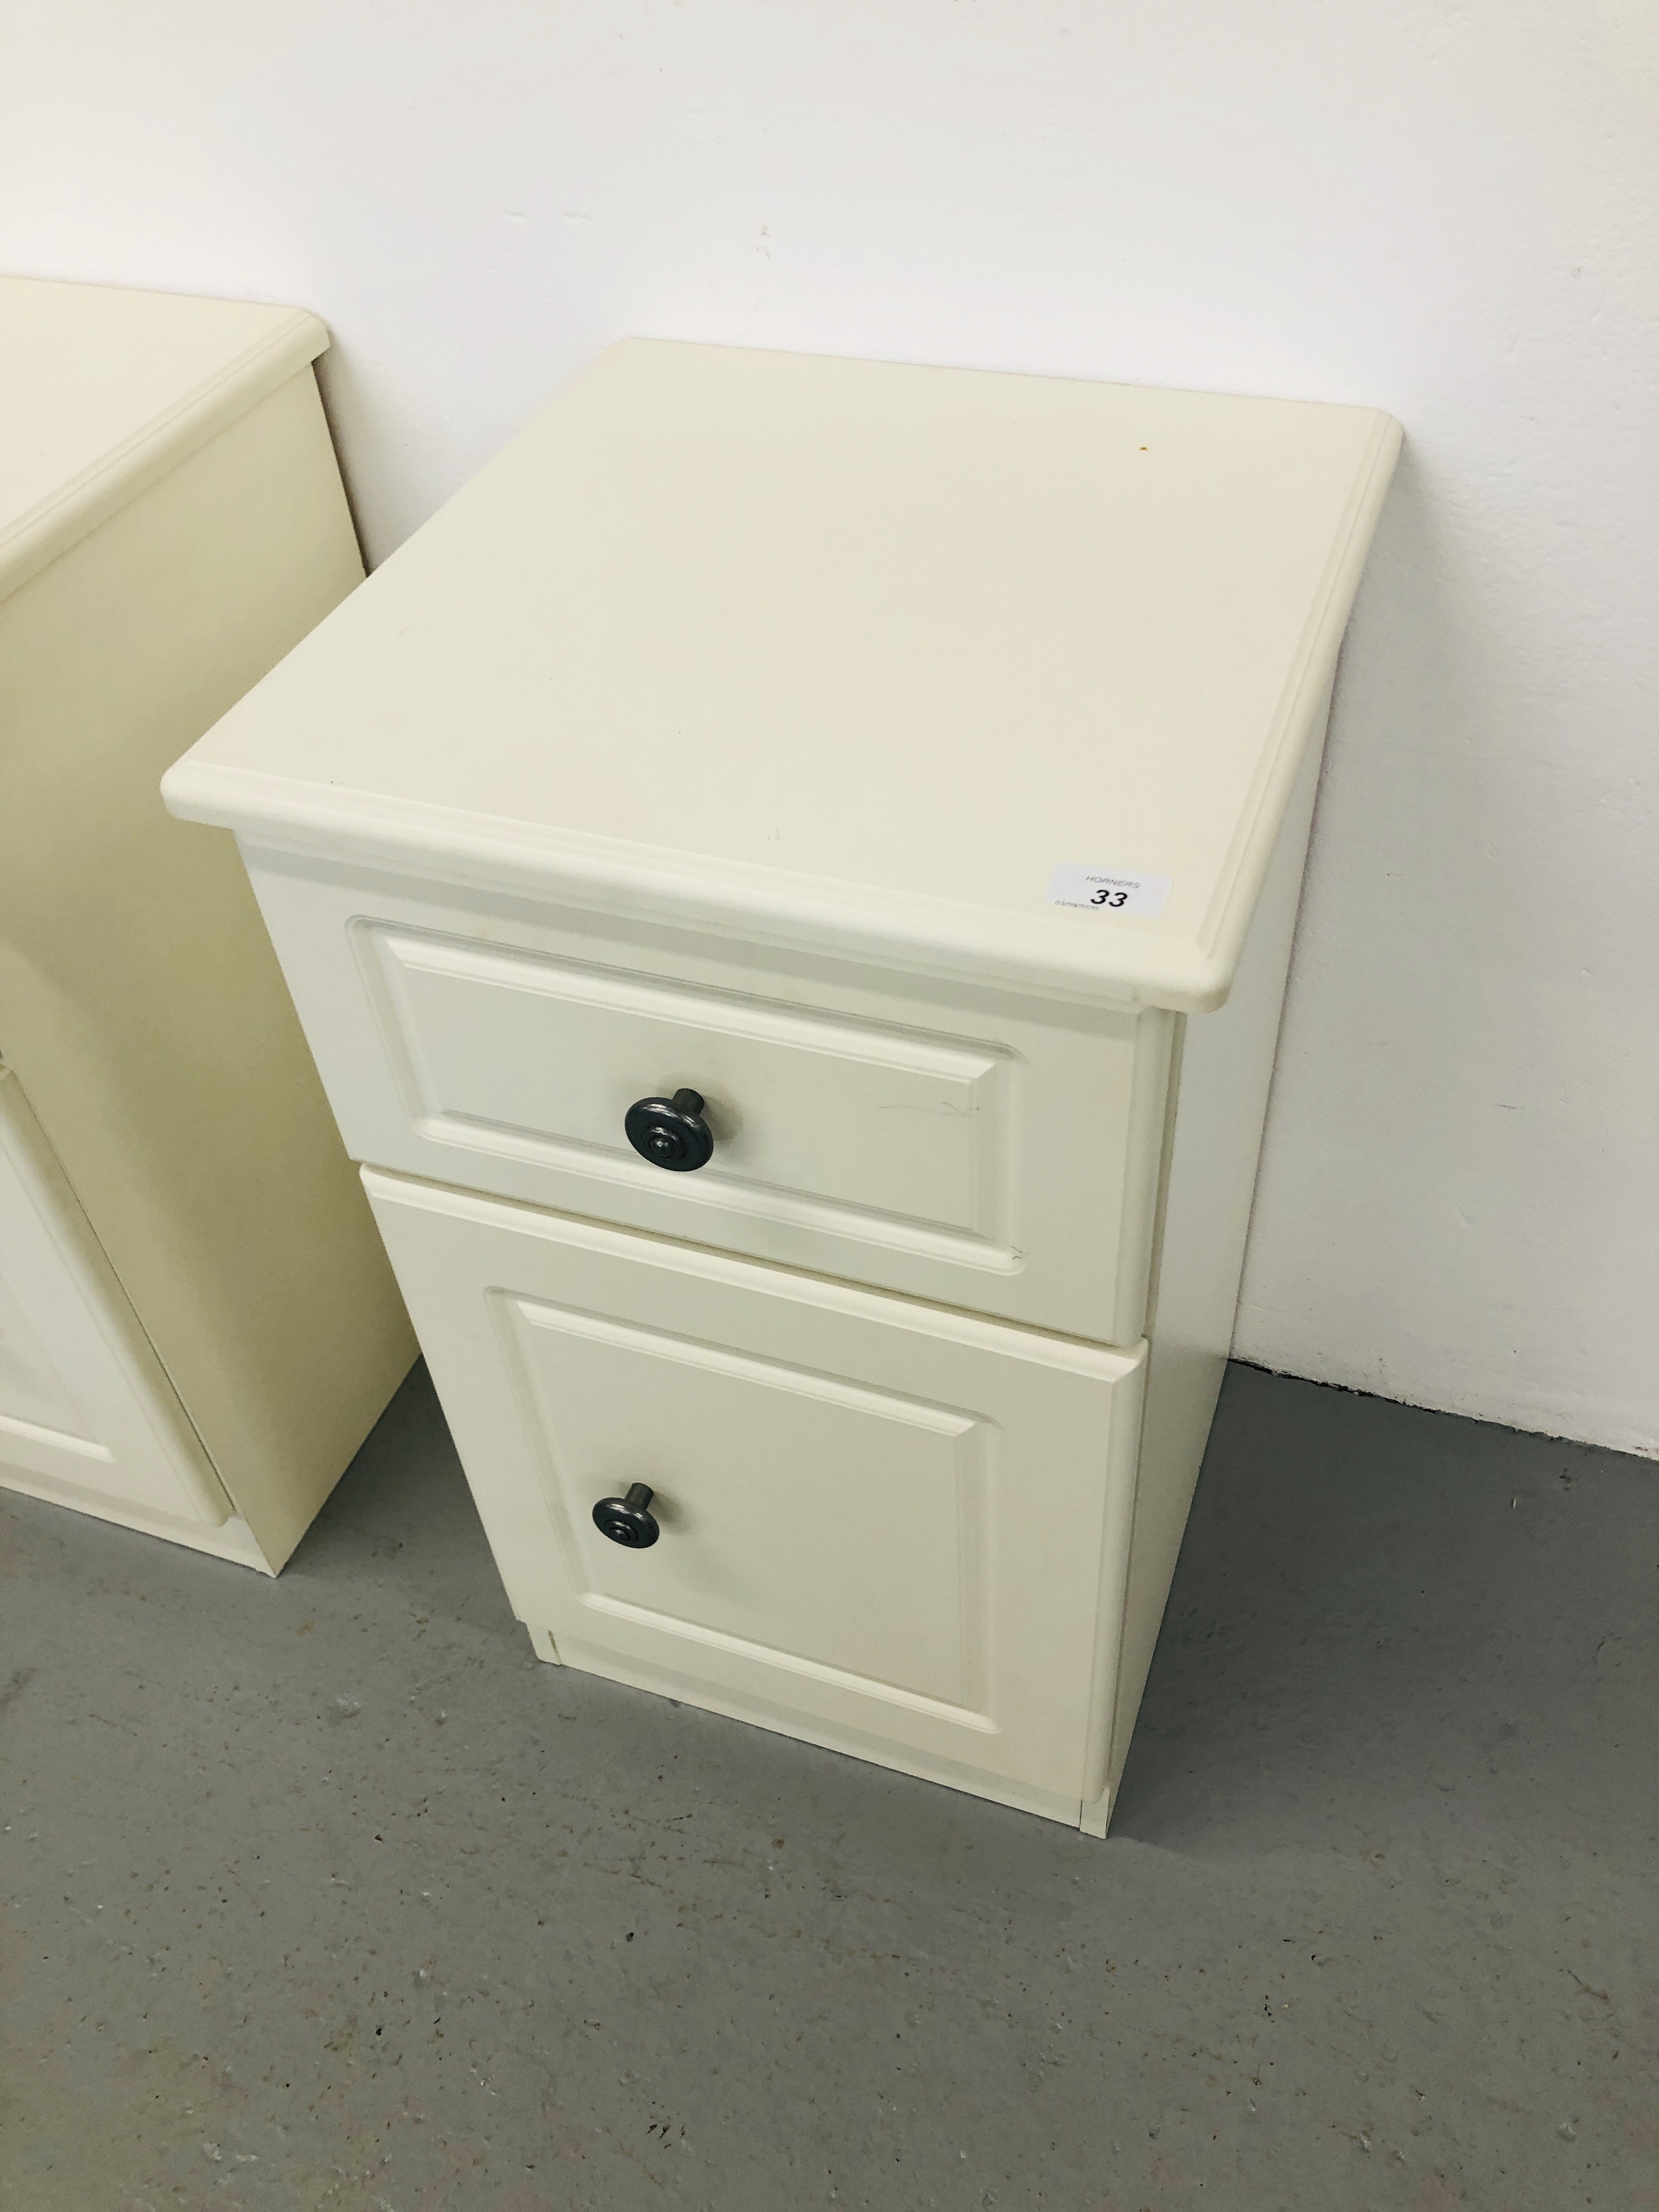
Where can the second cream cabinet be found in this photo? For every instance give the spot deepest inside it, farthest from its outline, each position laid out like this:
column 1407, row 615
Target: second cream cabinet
column 197, row 1324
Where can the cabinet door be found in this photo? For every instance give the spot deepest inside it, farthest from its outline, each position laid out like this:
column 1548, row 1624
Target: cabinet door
column 86, row 1415
column 884, row 1526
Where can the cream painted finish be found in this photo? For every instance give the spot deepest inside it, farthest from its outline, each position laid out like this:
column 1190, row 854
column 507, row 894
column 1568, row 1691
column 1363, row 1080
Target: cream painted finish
column 843, row 652
column 724, row 735
column 84, row 1404
column 199, row 529
column 1217, row 1105
column 881, row 1522
column 103, row 392
column 940, row 1141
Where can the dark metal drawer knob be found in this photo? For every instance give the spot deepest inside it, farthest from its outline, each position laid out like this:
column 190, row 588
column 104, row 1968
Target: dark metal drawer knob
column 670, row 1133
column 627, row 1520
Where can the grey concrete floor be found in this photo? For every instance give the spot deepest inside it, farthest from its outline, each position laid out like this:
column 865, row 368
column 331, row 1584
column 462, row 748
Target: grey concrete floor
column 325, row 1894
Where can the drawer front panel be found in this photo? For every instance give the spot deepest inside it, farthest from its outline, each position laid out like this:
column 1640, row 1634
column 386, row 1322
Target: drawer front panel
column 905, row 1525
column 543, row 1058
column 958, row 1146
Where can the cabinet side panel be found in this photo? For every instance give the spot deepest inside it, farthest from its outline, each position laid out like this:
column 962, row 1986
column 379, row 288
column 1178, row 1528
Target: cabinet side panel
column 140, row 1001
column 1219, row 1103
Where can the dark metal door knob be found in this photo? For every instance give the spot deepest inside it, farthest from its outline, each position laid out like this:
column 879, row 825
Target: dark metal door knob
column 670, row 1133
column 627, row 1520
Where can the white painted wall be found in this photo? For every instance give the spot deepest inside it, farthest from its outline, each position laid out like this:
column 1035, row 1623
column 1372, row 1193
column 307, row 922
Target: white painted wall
column 1445, row 207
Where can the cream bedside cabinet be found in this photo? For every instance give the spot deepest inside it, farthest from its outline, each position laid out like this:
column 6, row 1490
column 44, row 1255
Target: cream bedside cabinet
column 788, row 880
column 197, row 1324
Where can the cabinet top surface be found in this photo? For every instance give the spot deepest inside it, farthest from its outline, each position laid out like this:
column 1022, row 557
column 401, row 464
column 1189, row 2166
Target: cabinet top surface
column 101, row 389
column 848, row 653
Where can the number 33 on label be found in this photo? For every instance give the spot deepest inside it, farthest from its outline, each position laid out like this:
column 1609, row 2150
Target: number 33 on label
column 1109, row 890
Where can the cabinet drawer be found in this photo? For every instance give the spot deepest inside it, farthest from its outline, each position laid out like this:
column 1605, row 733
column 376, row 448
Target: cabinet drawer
column 898, row 1531
column 964, row 1146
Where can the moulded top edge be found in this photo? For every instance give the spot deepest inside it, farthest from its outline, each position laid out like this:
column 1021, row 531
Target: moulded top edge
column 846, row 652
column 1034, row 953
column 102, row 390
